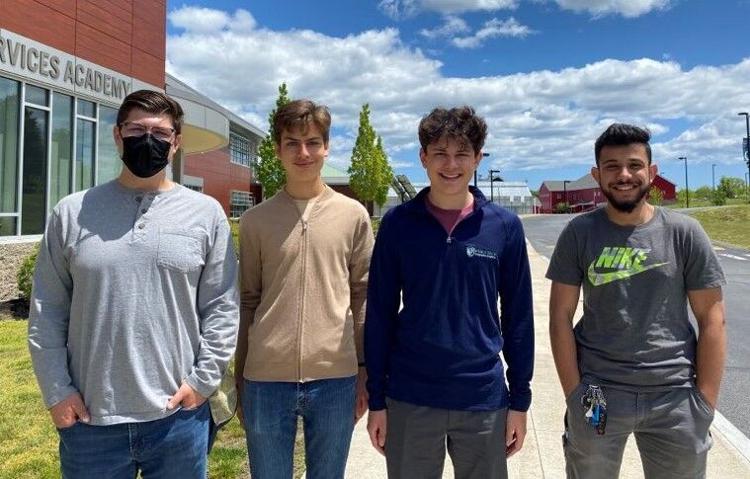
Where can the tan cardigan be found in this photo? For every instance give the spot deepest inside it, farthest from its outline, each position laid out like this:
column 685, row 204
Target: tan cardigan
column 303, row 288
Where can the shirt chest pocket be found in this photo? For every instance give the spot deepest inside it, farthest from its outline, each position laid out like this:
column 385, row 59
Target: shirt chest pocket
column 178, row 251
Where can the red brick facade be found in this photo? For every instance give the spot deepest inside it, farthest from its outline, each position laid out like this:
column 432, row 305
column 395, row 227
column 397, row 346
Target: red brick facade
column 220, row 175
column 128, row 36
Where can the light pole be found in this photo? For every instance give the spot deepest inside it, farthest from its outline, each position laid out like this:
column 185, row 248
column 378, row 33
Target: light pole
column 565, row 195
column 713, row 176
column 687, row 188
column 484, row 155
column 746, row 150
column 492, row 184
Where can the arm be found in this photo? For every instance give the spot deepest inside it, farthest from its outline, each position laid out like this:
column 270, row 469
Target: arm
column 562, row 307
column 251, row 271
column 708, row 308
column 217, row 310
column 49, row 316
column 517, row 322
column 383, row 301
column 359, row 265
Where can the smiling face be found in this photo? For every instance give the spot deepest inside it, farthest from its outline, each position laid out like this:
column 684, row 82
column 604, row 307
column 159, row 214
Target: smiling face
column 450, row 164
column 624, row 174
column 302, row 153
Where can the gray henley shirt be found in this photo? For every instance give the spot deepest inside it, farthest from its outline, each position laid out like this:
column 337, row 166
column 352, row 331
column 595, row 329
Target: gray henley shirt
column 134, row 293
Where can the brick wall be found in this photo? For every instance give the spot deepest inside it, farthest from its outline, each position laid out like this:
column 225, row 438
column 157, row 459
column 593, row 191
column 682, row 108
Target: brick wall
column 128, row 36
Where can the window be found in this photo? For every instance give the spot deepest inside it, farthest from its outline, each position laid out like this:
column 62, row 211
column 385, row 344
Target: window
column 240, row 201
column 109, row 164
column 197, row 188
column 9, row 111
column 241, row 150
column 62, row 148
column 85, row 154
column 34, row 204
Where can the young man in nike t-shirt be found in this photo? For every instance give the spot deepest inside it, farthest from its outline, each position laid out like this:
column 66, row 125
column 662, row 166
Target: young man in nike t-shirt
column 633, row 364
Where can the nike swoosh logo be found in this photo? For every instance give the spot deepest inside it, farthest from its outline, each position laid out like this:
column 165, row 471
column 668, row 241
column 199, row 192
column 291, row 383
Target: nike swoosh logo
column 598, row 279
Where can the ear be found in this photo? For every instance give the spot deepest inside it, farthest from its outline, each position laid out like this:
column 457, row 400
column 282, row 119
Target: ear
column 595, row 174
column 423, row 157
column 118, row 138
column 653, row 170
column 177, row 143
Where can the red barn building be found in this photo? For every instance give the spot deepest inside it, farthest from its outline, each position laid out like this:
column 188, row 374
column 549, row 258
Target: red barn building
column 584, row 193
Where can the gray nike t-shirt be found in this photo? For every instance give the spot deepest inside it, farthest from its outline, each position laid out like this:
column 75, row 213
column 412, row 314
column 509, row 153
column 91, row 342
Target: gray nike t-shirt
column 635, row 331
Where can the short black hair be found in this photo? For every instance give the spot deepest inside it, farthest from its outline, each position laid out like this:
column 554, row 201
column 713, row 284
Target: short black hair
column 460, row 123
column 154, row 102
column 622, row 134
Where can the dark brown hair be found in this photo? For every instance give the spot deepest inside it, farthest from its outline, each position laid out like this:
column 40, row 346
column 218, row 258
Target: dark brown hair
column 154, row 102
column 460, row 123
column 298, row 115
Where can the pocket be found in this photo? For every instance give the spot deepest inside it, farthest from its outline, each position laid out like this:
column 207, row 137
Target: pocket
column 178, row 251
column 576, row 392
column 702, row 402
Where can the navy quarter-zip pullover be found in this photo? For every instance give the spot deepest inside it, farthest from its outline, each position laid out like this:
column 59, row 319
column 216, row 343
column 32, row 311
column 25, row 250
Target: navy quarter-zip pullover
column 442, row 349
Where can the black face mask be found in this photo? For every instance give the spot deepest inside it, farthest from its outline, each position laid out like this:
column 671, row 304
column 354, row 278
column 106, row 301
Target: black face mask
column 145, row 155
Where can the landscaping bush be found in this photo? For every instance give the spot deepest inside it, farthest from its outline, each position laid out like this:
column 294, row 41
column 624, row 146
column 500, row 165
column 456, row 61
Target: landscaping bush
column 26, row 273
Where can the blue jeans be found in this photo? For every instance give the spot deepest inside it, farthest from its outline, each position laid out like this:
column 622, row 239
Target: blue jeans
column 173, row 447
column 271, row 410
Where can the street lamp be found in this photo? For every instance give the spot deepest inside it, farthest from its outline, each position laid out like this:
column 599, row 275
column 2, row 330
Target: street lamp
column 687, row 188
column 565, row 195
column 746, row 150
column 484, row 155
column 492, row 184
column 713, row 176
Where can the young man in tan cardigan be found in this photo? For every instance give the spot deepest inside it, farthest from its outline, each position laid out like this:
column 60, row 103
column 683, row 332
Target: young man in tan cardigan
column 304, row 257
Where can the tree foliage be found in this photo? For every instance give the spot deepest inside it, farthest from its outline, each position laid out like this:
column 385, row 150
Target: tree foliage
column 655, row 196
column 268, row 170
column 731, row 187
column 370, row 174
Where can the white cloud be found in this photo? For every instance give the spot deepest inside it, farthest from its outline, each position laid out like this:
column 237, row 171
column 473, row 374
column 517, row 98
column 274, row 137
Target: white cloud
column 493, row 28
column 207, row 20
column 626, row 8
column 541, row 119
column 451, row 26
column 399, row 9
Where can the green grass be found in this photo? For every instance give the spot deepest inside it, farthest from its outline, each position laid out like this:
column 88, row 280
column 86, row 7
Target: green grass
column 28, row 440
column 729, row 224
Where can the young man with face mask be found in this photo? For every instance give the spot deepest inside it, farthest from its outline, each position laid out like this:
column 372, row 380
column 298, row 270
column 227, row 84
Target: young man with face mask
column 433, row 334
column 632, row 364
column 134, row 310
column 304, row 255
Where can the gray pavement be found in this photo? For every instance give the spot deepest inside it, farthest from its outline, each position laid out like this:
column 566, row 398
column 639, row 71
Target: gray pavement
column 542, row 456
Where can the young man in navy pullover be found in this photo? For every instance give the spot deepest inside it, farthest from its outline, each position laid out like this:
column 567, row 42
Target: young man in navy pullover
column 435, row 374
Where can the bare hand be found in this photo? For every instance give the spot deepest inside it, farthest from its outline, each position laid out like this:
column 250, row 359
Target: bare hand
column 515, row 431
column 362, row 397
column 376, row 426
column 68, row 411
column 187, row 397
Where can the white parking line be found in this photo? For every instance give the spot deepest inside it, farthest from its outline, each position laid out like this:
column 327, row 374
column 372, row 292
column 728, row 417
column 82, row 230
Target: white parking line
column 732, row 256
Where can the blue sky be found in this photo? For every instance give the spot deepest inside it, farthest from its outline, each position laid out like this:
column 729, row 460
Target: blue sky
column 548, row 75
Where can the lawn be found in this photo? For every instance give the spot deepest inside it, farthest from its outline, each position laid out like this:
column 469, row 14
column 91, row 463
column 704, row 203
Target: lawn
column 28, row 440
column 729, row 224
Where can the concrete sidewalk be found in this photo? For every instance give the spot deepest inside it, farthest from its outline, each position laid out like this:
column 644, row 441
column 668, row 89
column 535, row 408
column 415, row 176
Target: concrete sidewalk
column 542, row 456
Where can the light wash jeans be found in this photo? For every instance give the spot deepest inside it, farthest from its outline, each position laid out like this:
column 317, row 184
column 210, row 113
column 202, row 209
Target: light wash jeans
column 271, row 410
column 173, row 447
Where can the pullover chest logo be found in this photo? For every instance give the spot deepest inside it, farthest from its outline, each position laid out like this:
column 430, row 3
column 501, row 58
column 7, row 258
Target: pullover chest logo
column 473, row 251
column 625, row 261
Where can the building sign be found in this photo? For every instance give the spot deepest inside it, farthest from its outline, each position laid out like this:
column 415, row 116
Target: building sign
column 41, row 63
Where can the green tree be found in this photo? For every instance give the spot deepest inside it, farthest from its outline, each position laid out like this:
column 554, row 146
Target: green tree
column 655, row 196
column 370, row 174
column 731, row 187
column 268, row 170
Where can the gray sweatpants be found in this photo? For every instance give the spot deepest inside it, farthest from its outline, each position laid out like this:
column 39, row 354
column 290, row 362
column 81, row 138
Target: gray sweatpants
column 670, row 428
column 417, row 437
